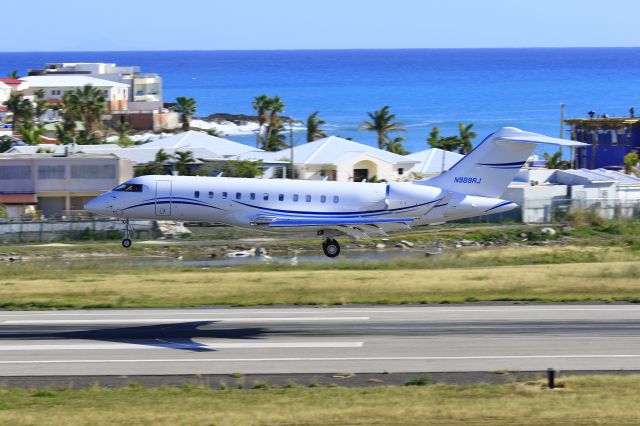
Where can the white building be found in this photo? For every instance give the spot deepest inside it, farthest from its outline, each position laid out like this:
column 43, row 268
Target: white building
column 343, row 160
column 432, row 162
column 55, row 86
column 5, row 92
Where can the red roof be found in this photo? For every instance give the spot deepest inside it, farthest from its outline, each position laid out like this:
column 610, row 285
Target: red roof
column 11, row 81
column 17, row 198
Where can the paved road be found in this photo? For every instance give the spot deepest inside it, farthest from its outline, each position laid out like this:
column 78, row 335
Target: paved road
column 320, row 340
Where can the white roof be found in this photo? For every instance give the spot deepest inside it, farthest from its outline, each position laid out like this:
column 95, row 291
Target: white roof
column 430, row 160
column 74, row 80
column 192, row 139
column 332, row 149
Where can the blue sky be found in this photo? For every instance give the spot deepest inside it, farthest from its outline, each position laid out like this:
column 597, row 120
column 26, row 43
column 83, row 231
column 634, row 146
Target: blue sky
column 72, row 25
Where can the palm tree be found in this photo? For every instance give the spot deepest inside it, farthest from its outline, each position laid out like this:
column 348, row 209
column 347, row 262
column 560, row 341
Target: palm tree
column 396, row 146
column 466, row 136
column 554, row 161
column 313, row 127
column 276, row 138
column 274, row 107
column 65, row 131
column 87, row 104
column 31, row 135
column 123, row 134
column 162, row 156
column 183, row 158
column 382, row 123
column 13, row 74
column 260, row 104
column 21, row 109
column 434, row 137
column 186, row 107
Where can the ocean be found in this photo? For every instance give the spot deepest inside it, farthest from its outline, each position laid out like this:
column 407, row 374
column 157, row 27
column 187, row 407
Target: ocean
column 425, row 88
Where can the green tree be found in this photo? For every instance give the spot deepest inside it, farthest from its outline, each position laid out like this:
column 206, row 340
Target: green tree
column 6, row 143
column 183, row 159
column 186, row 107
column 274, row 106
column 41, row 103
column 396, row 146
column 13, row 74
column 631, row 163
column 447, row 143
column 150, row 169
column 214, row 132
column 87, row 104
column 555, row 161
column 65, row 131
column 31, row 135
column 313, row 127
column 382, row 122
column 124, row 128
column 276, row 138
column 466, row 135
column 244, row 169
column 434, row 137
column 162, row 156
column 21, row 110
column 260, row 104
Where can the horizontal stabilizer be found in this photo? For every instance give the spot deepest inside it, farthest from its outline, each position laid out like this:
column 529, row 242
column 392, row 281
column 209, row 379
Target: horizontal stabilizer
column 282, row 222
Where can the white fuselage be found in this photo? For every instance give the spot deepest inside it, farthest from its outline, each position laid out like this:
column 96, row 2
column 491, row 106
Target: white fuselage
column 250, row 203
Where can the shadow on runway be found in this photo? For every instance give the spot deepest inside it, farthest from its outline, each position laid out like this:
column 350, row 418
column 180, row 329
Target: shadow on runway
column 170, row 336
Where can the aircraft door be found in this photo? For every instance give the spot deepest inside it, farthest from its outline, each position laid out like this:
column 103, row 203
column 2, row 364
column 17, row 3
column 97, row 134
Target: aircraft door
column 163, row 198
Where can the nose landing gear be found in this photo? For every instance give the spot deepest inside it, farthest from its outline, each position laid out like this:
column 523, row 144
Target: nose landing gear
column 330, row 247
column 127, row 231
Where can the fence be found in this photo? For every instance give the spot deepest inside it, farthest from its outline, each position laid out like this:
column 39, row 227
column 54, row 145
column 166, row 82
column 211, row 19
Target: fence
column 88, row 229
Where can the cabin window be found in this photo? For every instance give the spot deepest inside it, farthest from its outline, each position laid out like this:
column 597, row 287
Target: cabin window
column 336, row 199
column 307, row 198
column 196, row 194
column 280, row 197
column 265, row 196
column 323, row 198
column 224, row 195
column 238, row 195
column 252, row 196
column 210, row 194
column 400, row 170
column 295, row 197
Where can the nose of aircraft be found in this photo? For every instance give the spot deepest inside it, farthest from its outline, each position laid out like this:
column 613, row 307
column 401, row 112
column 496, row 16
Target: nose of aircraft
column 97, row 205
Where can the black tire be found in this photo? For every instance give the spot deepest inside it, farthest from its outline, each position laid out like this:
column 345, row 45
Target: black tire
column 126, row 243
column 331, row 248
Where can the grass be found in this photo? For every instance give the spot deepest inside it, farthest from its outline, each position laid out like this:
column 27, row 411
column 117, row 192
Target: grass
column 541, row 274
column 581, row 400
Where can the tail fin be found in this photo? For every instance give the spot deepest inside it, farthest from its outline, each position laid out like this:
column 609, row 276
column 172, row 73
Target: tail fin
column 491, row 166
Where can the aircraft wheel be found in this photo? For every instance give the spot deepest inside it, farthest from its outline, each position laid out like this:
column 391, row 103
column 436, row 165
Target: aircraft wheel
column 331, row 248
column 126, row 243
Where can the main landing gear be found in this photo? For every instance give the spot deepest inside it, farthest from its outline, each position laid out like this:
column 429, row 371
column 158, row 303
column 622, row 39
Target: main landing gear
column 330, row 247
column 126, row 232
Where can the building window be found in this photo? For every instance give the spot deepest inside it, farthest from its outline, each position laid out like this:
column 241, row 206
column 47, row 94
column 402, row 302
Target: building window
column 210, row 194
column 323, row 198
column 265, row 196
column 238, row 195
column 295, row 197
column 280, row 197
column 336, row 199
column 400, row 170
column 252, row 196
column 50, row 172
column 196, row 194
column 93, row 171
column 307, row 198
column 224, row 195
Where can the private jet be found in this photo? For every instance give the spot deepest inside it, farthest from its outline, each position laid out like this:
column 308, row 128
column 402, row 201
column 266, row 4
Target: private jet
column 329, row 210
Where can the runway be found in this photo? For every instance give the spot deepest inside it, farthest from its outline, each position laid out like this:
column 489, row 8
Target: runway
column 320, row 340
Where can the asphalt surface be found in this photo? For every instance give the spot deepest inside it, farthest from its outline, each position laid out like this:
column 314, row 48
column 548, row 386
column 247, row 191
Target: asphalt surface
column 293, row 340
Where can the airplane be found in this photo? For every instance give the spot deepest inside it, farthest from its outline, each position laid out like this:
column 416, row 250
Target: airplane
column 471, row 187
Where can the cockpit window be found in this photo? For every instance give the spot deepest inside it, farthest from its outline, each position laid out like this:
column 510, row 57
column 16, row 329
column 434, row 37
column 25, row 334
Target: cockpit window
column 129, row 187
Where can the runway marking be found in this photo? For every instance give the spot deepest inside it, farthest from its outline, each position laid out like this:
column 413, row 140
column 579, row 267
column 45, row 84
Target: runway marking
column 170, row 345
column 174, row 320
column 266, row 311
column 294, row 359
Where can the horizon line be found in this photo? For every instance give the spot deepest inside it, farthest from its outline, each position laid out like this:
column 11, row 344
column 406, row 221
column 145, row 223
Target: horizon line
column 321, row 49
